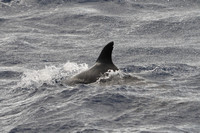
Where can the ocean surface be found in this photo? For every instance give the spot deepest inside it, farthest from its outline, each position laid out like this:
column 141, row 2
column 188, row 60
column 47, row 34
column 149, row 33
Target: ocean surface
column 157, row 49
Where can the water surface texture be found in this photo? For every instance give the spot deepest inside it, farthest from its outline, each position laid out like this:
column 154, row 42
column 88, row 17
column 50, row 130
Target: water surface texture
column 157, row 49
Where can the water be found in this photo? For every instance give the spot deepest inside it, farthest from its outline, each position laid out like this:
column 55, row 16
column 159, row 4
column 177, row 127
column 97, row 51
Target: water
column 43, row 42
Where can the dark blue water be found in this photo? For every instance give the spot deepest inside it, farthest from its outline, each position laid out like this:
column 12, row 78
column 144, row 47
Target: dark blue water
column 157, row 49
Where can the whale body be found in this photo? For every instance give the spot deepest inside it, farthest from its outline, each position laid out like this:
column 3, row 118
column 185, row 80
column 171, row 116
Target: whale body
column 102, row 65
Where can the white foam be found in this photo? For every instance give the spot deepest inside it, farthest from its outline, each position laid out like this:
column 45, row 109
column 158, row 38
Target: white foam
column 74, row 67
column 110, row 76
column 49, row 74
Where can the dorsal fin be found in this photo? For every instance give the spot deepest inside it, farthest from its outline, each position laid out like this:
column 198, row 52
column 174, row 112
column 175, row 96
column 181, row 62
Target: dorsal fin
column 106, row 54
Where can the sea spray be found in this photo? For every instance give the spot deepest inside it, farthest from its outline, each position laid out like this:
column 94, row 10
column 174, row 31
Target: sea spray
column 49, row 74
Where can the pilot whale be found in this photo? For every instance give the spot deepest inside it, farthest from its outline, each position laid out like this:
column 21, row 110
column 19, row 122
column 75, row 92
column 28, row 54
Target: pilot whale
column 103, row 64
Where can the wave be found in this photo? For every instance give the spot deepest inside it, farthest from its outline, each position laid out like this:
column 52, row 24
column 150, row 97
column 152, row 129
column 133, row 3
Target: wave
column 162, row 72
column 9, row 74
column 169, row 27
column 142, row 4
column 47, row 2
column 49, row 75
column 132, row 75
column 159, row 51
column 2, row 20
column 55, row 75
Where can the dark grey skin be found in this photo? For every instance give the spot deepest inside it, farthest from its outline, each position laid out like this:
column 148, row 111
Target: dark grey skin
column 102, row 65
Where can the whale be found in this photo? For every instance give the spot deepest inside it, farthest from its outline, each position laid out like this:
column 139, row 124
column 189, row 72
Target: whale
column 102, row 65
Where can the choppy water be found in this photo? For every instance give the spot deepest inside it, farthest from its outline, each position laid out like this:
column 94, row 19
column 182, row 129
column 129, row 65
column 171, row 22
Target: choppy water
column 44, row 41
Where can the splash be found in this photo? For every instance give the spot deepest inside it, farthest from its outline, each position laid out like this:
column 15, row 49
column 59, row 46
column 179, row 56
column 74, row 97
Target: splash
column 72, row 68
column 118, row 77
column 49, row 75
column 111, row 74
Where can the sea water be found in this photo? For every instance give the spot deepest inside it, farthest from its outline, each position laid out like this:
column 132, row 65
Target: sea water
column 43, row 42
